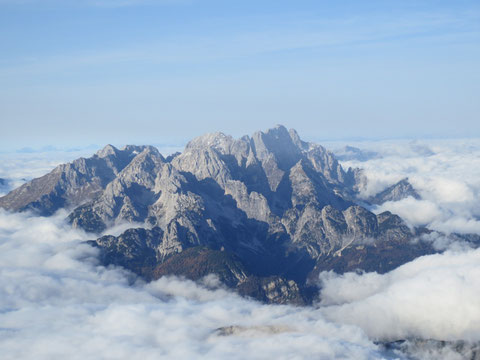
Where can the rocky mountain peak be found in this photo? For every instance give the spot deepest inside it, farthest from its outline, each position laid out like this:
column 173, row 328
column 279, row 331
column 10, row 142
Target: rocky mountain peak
column 297, row 141
column 216, row 140
column 276, row 143
column 395, row 192
column 108, row 150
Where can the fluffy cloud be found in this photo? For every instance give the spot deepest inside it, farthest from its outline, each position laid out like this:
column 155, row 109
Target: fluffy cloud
column 446, row 173
column 432, row 297
column 57, row 301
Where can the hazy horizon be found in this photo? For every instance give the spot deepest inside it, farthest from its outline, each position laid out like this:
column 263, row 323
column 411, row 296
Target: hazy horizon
column 178, row 143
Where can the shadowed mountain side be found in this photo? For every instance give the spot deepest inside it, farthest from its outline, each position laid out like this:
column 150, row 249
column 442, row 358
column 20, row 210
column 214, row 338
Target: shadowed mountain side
column 380, row 257
column 134, row 249
column 198, row 262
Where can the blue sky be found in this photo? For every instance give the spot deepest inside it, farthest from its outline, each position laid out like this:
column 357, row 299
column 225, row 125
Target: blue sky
column 133, row 71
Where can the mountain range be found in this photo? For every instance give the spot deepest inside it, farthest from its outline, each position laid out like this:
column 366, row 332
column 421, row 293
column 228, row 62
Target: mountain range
column 264, row 213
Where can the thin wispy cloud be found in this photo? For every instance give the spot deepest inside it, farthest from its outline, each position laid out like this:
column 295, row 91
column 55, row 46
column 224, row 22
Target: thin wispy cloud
column 303, row 33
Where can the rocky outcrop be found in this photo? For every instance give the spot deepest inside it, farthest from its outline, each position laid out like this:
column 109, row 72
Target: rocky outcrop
column 400, row 190
column 69, row 185
column 126, row 197
column 198, row 262
column 273, row 289
column 135, row 249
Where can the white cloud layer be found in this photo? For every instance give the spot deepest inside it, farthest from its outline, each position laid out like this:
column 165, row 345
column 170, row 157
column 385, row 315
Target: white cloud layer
column 432, row 297
column 56, row 301
column 446, row 173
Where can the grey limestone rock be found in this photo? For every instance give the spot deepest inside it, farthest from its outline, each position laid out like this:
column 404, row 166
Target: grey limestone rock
column 396, row 192
column 69, row 185
column 274, row 289
column 126, row 196
column 135, row 249
column 361, row 223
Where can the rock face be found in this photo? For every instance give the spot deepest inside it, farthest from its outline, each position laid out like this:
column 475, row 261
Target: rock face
column 263, row 213
column 396, row 192
column 71, row 184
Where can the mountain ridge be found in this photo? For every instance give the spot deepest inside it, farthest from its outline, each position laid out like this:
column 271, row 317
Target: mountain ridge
column 282, row 207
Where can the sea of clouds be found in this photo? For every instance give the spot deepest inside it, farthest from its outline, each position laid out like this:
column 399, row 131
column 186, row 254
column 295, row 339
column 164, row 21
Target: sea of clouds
column 57, row 301
column 445, row 173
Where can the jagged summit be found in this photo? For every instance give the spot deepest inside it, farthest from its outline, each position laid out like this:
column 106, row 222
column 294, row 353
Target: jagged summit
column 216, row 140
column 266, row 210
column 396, row 192
column 74, row 183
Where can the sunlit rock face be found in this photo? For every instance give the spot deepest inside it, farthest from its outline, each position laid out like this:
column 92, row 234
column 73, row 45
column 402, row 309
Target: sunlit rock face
column 264, row 213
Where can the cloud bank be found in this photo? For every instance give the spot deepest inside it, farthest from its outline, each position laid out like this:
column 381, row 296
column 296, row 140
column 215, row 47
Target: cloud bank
column 432, row 297
column 56, row 301
column 446, row 173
